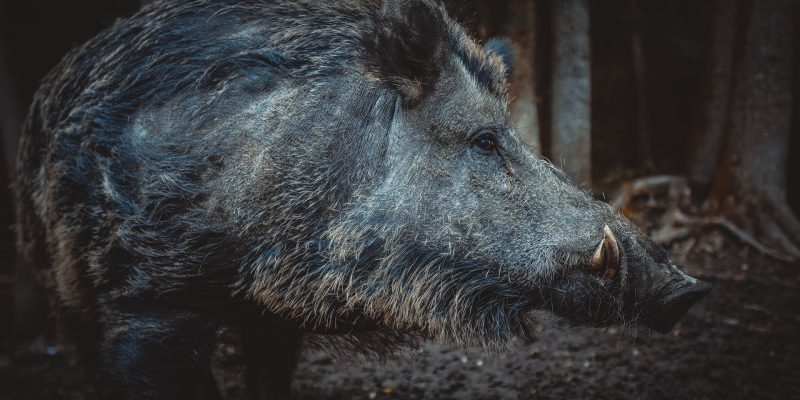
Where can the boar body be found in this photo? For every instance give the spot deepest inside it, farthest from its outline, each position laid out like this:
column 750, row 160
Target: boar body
column 343, row 168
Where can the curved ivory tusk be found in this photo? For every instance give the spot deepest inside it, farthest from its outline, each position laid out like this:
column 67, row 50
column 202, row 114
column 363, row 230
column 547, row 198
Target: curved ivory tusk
column 606, row 256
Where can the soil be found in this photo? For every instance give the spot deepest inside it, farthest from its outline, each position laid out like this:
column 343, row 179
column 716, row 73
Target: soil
column 741, row 342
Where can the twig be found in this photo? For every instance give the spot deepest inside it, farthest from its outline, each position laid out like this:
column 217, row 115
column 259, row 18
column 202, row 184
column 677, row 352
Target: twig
column 686, row 251
column 746, row 238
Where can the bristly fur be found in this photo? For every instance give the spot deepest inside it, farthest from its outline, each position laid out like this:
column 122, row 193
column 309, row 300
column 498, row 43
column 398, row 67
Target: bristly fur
column 299, row 166
column 140, row 208
column 409, row 46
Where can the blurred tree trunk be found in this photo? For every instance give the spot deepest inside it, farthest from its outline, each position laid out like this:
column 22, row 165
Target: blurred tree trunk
column 26, row 294
column 524, row 107
column 571, row 89
column 10, row 111
column 750, row 181
column 713, row 102
column 640, row 79
column 30, row 307
column 516, row 20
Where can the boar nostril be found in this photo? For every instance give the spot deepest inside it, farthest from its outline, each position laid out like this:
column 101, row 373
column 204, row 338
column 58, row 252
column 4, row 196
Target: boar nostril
column 606, row 256
column 676, row 304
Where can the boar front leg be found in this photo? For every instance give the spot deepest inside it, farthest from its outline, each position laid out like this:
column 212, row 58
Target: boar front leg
column 271, row 352
column 159, row 356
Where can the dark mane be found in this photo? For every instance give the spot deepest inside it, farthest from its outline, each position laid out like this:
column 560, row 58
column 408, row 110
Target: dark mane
column 410, row 41
column 158, row 53
column 253, row 42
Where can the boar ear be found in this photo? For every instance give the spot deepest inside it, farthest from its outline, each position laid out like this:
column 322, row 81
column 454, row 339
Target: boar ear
column 504, row 49
column 404, row 47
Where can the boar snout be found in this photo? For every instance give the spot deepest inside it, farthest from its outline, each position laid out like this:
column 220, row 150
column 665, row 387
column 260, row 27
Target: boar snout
column 675, row 304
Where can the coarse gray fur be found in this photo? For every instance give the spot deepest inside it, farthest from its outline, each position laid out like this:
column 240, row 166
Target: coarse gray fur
column 313, row 161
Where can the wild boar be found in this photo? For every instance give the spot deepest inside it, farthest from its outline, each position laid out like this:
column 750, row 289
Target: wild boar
column 338, row 167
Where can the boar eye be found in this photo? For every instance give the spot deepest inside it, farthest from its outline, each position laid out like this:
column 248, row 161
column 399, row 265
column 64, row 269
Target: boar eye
column 485, row 143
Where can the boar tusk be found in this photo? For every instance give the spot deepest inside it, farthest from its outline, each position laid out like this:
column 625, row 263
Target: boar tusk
column 606, row 256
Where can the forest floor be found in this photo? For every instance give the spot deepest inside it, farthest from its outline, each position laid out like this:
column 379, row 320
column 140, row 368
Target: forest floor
column 741, row 342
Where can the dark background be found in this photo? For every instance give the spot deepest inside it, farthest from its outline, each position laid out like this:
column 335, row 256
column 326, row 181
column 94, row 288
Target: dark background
column 676, row 41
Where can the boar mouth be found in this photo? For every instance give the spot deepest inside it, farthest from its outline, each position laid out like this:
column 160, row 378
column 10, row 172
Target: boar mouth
column 591, row 290
column 605, row 287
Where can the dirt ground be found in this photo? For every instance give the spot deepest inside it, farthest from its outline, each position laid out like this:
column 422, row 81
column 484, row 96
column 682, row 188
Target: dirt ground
column 741, row 342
